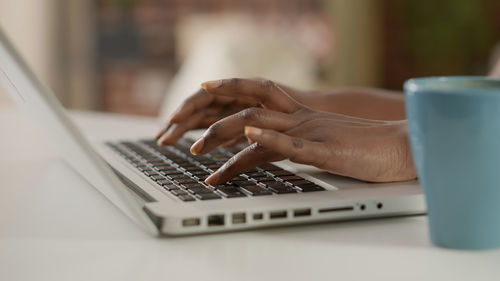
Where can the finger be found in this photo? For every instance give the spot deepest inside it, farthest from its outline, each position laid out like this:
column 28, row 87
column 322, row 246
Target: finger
column 162, row 131
column 233, row 126
column 244, row 160
column 176, row 130
column 215, row 113
column 208, row 121
column 239, row 139
column 197, row 101
column 296, row 149
column 265, row 92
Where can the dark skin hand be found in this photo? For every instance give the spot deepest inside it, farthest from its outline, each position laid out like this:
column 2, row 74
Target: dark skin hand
column 202, row 109
column 278, row 127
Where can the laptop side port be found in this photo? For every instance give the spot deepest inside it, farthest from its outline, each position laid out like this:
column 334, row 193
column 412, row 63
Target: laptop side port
column 239, row 218
column 216, row 220
column 258, row 216
column 302, row 212
column 337, row 209
column 191, row 222
column 278, row 214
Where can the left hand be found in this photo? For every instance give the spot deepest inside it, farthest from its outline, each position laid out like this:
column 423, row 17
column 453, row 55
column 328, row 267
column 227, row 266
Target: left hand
column 370, row 150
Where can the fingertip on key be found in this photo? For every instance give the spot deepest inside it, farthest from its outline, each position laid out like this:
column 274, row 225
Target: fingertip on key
column 197, row 146
column 211, row 179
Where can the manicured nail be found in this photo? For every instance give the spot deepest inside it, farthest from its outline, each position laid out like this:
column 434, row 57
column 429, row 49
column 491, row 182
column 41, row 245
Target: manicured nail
column 197, row 146
column 207, row 86
column 252, row 131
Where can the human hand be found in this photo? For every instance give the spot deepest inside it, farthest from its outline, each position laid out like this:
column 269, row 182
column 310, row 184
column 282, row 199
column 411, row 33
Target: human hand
column 203, row 109
column 370, row 150
column 200, row 111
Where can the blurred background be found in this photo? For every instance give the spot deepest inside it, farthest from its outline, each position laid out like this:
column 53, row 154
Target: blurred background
column 145, row 56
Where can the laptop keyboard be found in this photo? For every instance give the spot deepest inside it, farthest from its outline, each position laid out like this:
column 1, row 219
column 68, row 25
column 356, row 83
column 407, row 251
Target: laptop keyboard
column 182, row 174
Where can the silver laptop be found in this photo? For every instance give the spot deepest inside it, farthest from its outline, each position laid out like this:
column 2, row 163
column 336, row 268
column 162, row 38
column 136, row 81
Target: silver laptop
column 162, row 189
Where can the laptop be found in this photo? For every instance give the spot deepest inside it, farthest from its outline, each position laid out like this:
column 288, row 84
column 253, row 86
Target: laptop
column 162, row 188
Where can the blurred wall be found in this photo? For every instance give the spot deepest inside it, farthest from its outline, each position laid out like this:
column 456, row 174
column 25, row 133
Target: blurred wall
column 357, row 55
column 32, row 26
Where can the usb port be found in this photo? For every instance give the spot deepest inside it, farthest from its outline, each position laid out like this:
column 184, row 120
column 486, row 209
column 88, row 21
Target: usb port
column 302, row 212
column 216, row 220
column 191, row 222
column 258, row 216
column 278, row 215
column 239, row 218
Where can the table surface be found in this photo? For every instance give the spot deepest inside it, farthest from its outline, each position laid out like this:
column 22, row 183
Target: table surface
column 54, row 226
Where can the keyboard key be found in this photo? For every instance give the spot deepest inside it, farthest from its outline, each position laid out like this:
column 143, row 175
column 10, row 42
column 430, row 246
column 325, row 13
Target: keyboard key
column 301, row 182
column 171, row 172
column 152, row 158
column 256, row 174
column 163, row 173
column 291, row 178
column 264, row 179
column 230, row 192
column 156, row 177
column 186, row 198
column 192, row 185
column 207, row 196
column 186, row 180
column 239, row 178
column 170, row 187
column 164, row 181
column 142, row 167
column 311, row 188
column 149, row 172
column 214, row 166
column 280, row 188
column 178, row 176
column 255, row 190
column 178, row 192
column 201, row 178
column 199, row 190
column 243, row 183
column 156, row 163
column 190, row 167
column 198, row 171
column 164, row 166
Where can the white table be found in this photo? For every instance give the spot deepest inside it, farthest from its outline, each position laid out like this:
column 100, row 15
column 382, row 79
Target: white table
column 54, row 226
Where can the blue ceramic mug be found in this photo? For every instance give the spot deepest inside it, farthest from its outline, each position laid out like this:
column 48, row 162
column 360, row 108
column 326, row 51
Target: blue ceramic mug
column 454, row 125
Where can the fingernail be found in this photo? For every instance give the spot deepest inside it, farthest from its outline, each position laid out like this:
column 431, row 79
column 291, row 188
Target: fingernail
column 165, row 136
column 197, row 146
column 159, row 141
column 249, row 130
column 207, row 86
column 211, row 178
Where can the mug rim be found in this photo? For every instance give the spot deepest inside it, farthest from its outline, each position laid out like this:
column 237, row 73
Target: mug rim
column 421, row 85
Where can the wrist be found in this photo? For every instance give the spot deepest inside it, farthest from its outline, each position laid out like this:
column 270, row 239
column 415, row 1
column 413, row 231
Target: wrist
column 407, row 169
